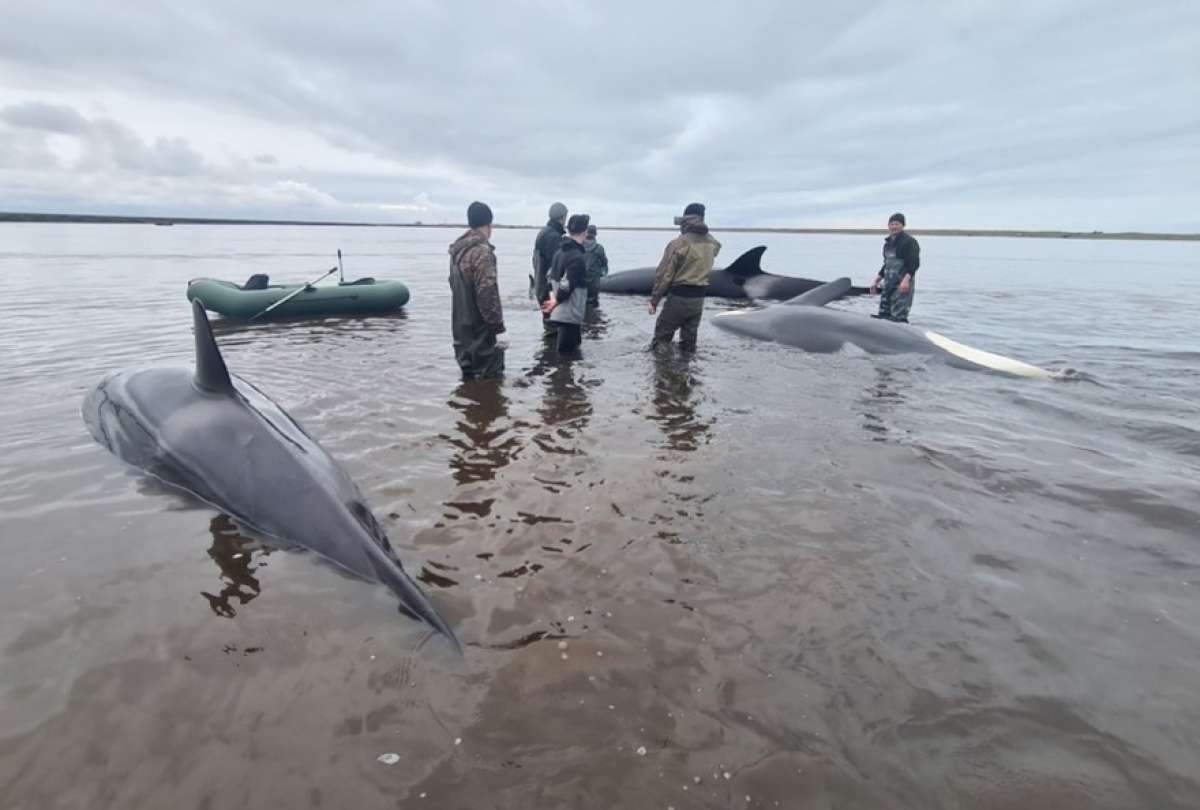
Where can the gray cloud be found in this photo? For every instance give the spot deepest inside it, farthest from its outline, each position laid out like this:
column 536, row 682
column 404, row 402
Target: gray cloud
column 1037, row 114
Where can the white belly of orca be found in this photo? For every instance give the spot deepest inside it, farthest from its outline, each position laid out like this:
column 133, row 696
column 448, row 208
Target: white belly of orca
column 998, row 362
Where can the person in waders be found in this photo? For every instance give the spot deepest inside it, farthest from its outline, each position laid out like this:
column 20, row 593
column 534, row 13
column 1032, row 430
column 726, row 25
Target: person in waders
column 897, row 279
column 597, row 265
column 682, row 277
column 476, row 317
column 567, row 305
column 547, row 243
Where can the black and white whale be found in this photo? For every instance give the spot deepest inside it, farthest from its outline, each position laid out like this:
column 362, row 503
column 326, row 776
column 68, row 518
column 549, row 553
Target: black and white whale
column 222, row 440
column 745, row 278
column 805, row 323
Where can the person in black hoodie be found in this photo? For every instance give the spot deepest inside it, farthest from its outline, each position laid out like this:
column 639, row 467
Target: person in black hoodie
column 566, row 306
column 897, row 279
column 548, row 240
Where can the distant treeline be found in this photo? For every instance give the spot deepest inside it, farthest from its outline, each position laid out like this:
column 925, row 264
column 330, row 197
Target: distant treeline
column 101, row 219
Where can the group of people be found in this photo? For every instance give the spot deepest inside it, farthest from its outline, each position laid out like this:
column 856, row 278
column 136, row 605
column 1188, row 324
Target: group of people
column 568, row 263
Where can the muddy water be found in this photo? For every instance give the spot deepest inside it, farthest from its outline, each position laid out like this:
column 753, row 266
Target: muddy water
column 782, row 579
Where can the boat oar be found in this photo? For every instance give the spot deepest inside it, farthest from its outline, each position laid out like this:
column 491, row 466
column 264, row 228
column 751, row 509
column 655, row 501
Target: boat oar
column 341, row 278
column 293, row 294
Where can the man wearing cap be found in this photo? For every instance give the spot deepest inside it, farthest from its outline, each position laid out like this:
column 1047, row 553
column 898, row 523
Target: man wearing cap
column 897, row 277
column 567, row 304
column 682, row 277
column 476, row 316
column 548, row 241
column 597, row 265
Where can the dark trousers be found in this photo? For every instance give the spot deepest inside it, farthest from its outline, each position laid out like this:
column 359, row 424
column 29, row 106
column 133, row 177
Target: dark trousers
column 594, row 292
column 682, row 315
column 570, row 335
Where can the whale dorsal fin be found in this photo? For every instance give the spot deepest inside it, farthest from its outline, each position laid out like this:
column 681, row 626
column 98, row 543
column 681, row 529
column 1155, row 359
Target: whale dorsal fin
column 820, row 296
column 211, row 373
column 747, row 264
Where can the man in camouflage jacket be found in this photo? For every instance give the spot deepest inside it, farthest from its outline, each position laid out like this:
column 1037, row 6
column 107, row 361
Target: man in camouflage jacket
column 476, row 315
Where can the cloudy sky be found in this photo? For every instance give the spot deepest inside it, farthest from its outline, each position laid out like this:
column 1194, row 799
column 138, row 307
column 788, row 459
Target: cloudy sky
column 1049, row 114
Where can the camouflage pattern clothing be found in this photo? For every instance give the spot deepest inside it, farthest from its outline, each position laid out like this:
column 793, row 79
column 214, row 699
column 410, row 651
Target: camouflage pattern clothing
column 901, row 257
column 597, row 267
column 476, row 315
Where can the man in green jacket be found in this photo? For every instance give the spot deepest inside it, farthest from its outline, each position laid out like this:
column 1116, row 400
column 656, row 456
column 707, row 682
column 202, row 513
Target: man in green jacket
column 682, row 277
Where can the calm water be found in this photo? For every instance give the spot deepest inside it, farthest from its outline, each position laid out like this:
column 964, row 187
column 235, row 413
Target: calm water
column 797, row 581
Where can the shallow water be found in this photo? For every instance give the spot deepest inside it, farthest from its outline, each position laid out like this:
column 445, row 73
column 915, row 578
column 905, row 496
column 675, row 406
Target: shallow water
column 814, row 581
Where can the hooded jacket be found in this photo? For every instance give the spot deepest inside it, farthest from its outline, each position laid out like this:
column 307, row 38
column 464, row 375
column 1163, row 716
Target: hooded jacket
column 544, row 248
column 688, row 259
column 473, row 268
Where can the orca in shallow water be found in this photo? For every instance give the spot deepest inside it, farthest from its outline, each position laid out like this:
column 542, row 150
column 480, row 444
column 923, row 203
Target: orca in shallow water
column 219, row 438
column 745, row 278
column 805, row 323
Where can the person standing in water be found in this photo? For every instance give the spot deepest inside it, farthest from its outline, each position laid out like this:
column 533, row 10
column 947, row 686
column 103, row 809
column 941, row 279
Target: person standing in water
column 547, row 243
column 897, row 277
column 597, row 265
column 476, row 317
column 682, row 277
column 567, row 305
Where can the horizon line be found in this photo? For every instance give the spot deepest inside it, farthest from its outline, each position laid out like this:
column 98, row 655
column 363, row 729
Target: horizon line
column 116, row 219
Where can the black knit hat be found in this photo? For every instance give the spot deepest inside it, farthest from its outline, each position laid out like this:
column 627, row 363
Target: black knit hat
column 591, row 230
column 897, row 217
column 478, row 215
column 578, row 223
column 694, row 210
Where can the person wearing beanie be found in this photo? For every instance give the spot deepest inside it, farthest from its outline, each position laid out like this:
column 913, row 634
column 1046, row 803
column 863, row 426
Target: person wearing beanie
column 597, row 265
column 567, row 303
column 546, row 244
column 897, row 277
column 476, row 317
column 682, row 277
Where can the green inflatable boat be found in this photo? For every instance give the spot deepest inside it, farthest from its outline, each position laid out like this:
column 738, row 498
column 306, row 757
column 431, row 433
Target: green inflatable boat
column 363, row 297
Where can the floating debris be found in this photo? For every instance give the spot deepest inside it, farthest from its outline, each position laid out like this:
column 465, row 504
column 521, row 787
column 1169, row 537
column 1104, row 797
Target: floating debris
column 727, row 775
column 565, row 656
column 599, row 653
column 562, row 645
column 458, row 740
column 641, row 752
column 389, row 759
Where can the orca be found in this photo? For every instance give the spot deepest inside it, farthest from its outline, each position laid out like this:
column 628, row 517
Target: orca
column 805, row 323
column 222, row 440
column 745, row 278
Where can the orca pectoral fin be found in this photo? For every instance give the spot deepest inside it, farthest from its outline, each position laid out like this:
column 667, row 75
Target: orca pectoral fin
column 822, row 295
column 748, row 264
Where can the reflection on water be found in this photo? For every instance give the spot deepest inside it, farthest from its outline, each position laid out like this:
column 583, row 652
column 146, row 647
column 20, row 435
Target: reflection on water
column 879, row 401
column 307, row 330
column 565, row 408
column 675, row 384
column 234, row 555
column 484, row 441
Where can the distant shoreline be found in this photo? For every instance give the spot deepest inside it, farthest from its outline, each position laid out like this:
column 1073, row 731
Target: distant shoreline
column 101, row 219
